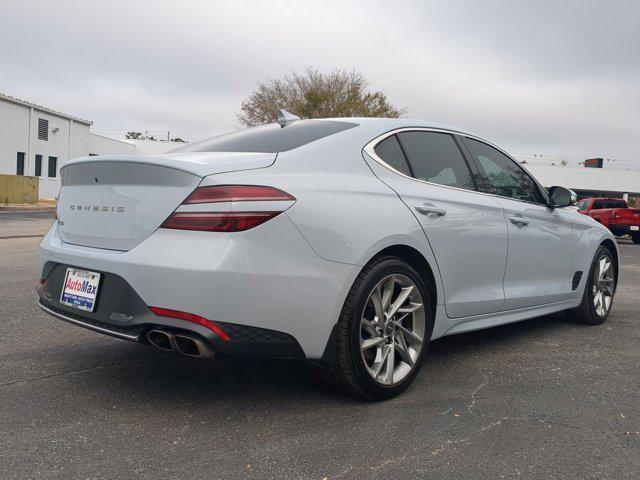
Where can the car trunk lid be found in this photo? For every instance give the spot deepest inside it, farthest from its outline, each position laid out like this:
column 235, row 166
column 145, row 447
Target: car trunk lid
column 116, row 202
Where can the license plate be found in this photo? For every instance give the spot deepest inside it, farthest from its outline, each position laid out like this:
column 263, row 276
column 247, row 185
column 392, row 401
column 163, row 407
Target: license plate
column 80, row 289
column 635, row 227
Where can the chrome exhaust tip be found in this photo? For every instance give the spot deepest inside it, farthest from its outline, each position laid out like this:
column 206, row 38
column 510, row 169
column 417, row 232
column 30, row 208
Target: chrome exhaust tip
column 183, row 343
column 160, row 339
column 191, row 346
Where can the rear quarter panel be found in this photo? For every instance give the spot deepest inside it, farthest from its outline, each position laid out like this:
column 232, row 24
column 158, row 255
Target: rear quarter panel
column 345, row 213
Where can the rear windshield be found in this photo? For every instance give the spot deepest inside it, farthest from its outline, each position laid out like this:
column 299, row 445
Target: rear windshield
column 599, row 204
column 270, row 138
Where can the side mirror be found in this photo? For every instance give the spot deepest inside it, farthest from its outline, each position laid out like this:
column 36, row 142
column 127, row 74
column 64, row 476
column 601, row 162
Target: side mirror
column 561, row 197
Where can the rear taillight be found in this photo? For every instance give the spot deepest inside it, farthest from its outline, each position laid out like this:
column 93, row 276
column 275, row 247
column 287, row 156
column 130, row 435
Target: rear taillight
column 232, row 220
column 236, row 193
column 217, row 221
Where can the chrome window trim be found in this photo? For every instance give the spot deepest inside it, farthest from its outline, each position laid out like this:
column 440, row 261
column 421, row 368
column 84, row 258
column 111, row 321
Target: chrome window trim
column 369, row 149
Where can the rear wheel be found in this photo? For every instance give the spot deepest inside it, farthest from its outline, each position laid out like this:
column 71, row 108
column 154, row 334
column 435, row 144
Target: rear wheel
column 383, row 330
column 635, row 237
column 599, row 290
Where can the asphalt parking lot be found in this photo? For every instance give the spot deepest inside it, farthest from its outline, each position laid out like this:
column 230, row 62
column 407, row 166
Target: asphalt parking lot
column 540, row 399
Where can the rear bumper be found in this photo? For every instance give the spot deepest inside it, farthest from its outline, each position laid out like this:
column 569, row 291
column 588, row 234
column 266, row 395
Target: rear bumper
column 121, row 313
column 266, row 288
column 618, row 229
column 133, row 335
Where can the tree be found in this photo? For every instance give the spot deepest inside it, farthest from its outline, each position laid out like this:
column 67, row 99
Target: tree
column 142, row 136
column 316, row 95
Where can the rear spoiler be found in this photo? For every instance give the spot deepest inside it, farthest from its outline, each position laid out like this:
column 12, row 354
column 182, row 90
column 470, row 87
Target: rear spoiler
column 197, row 163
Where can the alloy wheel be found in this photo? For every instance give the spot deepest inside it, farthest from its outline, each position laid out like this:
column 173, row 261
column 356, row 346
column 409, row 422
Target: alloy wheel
column 392, row 329
column 603, row 285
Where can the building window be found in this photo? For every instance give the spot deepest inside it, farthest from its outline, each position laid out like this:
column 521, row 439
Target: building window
column 20, row 164
column 38, row 172
column 53, row 167
column 43, row 129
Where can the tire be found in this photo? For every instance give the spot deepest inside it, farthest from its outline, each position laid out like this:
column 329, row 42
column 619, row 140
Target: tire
column 635, row 237
column 394, row 343
column 589, row 312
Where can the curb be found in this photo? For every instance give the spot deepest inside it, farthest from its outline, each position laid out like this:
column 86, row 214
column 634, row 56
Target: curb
column 23, row 209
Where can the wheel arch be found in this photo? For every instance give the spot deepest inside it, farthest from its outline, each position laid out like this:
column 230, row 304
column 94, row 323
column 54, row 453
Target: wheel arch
column 414, row 258
column 613, row 248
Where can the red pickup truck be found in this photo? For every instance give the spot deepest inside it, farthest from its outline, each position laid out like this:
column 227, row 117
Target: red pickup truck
column 613, row 213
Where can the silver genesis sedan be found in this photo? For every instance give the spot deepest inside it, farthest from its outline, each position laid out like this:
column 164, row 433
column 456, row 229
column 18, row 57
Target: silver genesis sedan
column 351, row 242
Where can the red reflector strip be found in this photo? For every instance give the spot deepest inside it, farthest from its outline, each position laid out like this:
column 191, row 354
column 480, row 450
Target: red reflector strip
column 236, row 193
column 217, row 221
column 190, row 317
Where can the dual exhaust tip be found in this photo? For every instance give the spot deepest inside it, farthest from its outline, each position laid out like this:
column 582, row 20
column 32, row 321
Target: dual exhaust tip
column 184, row 343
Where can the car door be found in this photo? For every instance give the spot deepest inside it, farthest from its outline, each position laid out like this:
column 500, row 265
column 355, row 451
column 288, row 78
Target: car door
column 465, row 228
column 597, row 211
column 540, row 237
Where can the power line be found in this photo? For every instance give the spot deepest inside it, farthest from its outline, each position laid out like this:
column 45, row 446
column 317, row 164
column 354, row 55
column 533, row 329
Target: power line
column 577, row 157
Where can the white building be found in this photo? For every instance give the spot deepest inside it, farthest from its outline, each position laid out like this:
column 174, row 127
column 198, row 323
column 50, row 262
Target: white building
column 37, row 141
column 99, row 145
column 590, row 182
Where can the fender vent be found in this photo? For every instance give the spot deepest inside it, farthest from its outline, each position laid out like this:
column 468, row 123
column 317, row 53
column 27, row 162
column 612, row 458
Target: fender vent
column 576, row 280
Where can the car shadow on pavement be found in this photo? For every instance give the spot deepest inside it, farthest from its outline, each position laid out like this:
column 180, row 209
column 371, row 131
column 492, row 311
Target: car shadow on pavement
column 158, row 378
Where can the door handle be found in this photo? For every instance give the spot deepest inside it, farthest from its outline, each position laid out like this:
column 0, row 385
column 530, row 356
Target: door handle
column 518, row 220
column 427, row 209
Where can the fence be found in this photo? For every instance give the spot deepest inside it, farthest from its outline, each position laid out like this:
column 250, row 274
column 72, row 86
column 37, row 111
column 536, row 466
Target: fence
column 18, row 189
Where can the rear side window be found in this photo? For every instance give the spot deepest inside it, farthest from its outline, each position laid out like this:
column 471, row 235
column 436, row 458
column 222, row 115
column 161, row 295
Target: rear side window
column 435, row 157
column 389, row 150
column 600, row 204
column 270, row 138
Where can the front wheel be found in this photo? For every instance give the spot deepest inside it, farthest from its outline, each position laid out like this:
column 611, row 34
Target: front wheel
column 635, row 237
column 599, row 290
column 383, row 330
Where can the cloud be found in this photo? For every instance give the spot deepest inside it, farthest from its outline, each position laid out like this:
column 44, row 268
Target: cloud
column 535, row 77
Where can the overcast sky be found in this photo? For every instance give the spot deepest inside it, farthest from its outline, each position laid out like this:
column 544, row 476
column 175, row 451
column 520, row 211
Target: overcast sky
column 545, row 77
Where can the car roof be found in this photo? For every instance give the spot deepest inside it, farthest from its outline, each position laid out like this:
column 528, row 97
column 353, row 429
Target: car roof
column 398, row 123
column 278, row 138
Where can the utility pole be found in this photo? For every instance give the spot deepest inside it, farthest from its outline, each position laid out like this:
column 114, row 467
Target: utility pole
column 168, row 137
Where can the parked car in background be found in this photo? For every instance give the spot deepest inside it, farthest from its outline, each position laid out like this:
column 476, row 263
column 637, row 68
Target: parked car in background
column 352, row 242
column 613, row 213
